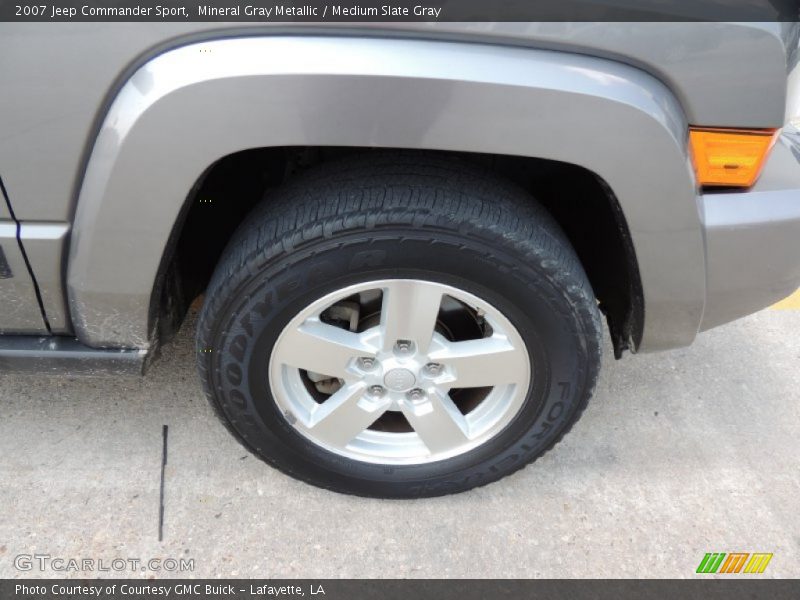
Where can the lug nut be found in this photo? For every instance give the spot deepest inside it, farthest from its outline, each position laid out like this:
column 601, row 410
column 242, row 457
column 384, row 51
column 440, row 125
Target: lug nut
column 415, row 395
column 376, row 391
column 433, row 369
column 403, row 346
column 366, row 363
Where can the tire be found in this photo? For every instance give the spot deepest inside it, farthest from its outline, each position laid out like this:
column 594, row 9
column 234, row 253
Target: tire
column 330, row 255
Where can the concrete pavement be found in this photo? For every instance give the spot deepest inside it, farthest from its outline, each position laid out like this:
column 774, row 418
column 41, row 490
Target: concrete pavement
column 678, row 454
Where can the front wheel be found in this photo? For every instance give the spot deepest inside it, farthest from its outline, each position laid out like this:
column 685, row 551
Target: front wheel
column 399, row 329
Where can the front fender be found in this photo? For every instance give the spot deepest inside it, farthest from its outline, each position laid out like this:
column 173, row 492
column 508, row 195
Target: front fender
column 188, row 107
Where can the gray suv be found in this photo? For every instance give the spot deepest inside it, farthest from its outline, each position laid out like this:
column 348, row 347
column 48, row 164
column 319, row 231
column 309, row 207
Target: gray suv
column 405, row 239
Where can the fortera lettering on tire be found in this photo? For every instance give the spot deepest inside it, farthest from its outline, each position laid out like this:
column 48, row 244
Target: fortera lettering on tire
column 373, row 344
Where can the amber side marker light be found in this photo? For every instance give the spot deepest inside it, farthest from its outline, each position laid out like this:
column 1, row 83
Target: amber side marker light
column 730, row 157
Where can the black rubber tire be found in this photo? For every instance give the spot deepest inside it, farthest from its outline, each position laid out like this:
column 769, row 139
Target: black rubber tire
column 394, row 215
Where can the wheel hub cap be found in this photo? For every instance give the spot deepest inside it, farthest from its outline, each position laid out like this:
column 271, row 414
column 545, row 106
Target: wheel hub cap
column 399, row 380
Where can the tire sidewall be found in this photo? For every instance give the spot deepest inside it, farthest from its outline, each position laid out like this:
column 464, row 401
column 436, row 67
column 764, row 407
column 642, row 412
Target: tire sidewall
column 248, row 322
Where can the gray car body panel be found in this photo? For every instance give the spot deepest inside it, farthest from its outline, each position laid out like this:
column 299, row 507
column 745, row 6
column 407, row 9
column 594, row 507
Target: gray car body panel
column 45, row 245
column 753, row 239
column 106, row 127
column 58, row 81
column 19, row 308
column 422, row 94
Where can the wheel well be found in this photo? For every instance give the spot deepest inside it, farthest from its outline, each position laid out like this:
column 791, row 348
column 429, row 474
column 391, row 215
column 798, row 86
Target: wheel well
column 581, row 202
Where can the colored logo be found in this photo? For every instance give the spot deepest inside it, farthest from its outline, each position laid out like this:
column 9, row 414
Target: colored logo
column 734, row 562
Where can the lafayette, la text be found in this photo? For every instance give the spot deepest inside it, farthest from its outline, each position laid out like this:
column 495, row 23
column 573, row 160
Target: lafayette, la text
column 145, row 590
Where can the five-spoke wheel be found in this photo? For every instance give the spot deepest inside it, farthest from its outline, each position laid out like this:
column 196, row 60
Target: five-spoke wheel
column 452, row 367
column 396, row 327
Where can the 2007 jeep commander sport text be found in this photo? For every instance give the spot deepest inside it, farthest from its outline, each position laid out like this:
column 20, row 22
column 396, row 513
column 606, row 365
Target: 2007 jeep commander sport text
column 405, row 237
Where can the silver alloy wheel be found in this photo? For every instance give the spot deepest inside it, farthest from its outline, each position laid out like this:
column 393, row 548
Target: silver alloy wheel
column 401, row 362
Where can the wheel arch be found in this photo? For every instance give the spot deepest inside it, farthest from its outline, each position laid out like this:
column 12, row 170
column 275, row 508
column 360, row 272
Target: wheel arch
column 183, row 110
column 580, row 202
